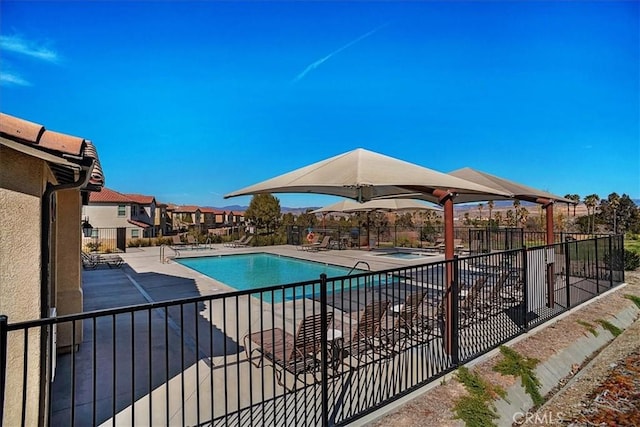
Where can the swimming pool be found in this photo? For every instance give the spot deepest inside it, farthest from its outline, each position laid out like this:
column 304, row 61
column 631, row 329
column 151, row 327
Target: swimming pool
column 405, row 255
column 259, row 270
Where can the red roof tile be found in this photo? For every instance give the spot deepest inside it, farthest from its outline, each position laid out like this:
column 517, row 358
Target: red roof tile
column 138, row 223
column 187, row 209
column 37, row 136
column 141, row 199
column 109, row 196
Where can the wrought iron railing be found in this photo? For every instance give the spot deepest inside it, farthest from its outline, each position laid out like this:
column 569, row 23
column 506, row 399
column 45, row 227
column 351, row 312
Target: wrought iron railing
column 326, row 351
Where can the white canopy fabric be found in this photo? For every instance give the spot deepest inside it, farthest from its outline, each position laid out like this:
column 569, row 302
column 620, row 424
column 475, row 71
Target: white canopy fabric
column 349, row 205
column 363, row 175
column 519, row 191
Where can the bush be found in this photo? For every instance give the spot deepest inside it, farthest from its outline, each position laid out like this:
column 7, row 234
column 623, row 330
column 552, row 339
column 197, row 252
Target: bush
column 622, row 259
column 93, row 246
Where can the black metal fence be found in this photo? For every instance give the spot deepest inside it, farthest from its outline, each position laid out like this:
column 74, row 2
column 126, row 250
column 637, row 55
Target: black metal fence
column 326, row 351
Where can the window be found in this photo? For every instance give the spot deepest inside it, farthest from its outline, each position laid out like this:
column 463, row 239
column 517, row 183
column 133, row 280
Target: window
column 122, row 210
column 134, row 210
column 135, row 233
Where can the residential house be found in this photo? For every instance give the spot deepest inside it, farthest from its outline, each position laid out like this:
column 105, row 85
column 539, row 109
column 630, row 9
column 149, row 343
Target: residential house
column 162, row 219
column 187, row 218
column 45, row 178
column 109, row 210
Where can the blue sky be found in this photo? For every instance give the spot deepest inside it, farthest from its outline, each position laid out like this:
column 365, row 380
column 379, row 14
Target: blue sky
column 188, row 101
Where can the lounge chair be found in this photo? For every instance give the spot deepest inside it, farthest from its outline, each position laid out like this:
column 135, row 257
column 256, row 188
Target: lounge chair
column 408, row 320
column 296, row 354
column 89, row 262
column 92, row 261
column 246, row 242
column 192, row 241
column 175, row 241
column 239, row 241
column 322, row 246
column 310, row 244
column 367, row 339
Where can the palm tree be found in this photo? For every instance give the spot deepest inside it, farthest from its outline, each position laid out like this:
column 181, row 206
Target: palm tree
column 516, row 208
column 591, row 201
column 498, row 218
column 480, row 207
column 575, row 198
column 490, row 205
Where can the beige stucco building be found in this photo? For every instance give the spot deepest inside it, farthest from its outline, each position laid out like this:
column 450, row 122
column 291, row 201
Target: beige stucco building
column 45, row 177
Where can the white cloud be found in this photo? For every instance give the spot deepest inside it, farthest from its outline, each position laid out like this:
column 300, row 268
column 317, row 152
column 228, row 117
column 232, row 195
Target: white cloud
column 9, row 79
column 28, row 48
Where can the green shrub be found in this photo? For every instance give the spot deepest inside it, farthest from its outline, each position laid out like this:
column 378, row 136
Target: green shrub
column 521, row 366
column 477, row 408
column 615, row 331
column 93, row 246
column 620, row 259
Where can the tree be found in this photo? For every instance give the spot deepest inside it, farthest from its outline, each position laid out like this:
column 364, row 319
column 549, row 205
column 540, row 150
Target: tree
column 516, row 208
column 307, row 219
column 264, row 212
column 591, row 201
column 498, row 218
column 480, row 207
column 490, row 205
column 404, row 220
column 575, row 198
column 619, row 214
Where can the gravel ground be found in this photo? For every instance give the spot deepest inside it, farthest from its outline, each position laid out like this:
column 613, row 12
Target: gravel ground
column 566, row 406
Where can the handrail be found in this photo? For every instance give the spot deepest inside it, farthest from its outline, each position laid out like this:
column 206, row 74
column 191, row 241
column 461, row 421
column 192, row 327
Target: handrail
column 162, row 257
column 356, row 264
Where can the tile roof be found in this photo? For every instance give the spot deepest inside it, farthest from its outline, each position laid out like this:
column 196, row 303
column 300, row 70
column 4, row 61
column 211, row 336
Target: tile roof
column 62, row 145
column 211, row 210
column 141, row 199
column 187, row 209
column 109, row 196
column 138, row 223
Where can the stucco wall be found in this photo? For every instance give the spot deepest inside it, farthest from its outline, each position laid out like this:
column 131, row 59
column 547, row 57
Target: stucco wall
column 21, row 187
column 105, row 215
column 67, row 280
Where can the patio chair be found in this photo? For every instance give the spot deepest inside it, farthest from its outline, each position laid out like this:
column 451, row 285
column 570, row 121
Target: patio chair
column 88, row 261
column 111, row 260
column 296, row 354
column 366, row 339
column 240, row 241
column 310, row 244
column 246, row 242
column 175, row 241
column 322, row 246
column 192, row 241
column 408, row 320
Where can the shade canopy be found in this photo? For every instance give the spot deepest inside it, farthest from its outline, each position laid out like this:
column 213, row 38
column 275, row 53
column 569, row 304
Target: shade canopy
column 363, row 175
column 388, row 205
column 519, row 191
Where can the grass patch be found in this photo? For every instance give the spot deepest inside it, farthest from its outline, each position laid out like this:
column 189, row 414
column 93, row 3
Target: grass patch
column 634, row 298
column 477, row 408
column 591, row 328
column 615, row 331
column 520, row 366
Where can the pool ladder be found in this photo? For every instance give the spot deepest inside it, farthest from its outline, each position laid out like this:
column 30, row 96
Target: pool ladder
column 358, row 263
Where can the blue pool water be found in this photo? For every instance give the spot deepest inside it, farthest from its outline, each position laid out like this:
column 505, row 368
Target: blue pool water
column 254, row 271
column 404, row 255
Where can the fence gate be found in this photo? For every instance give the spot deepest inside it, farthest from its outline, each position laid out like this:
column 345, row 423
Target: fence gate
column 121, row 239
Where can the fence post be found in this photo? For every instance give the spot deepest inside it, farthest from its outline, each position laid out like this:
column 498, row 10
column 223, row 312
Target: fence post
column 324, row 373
column 597, row 268
column 3, row 362
column 567, row 269
column 525, row 289
column 455, row 353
